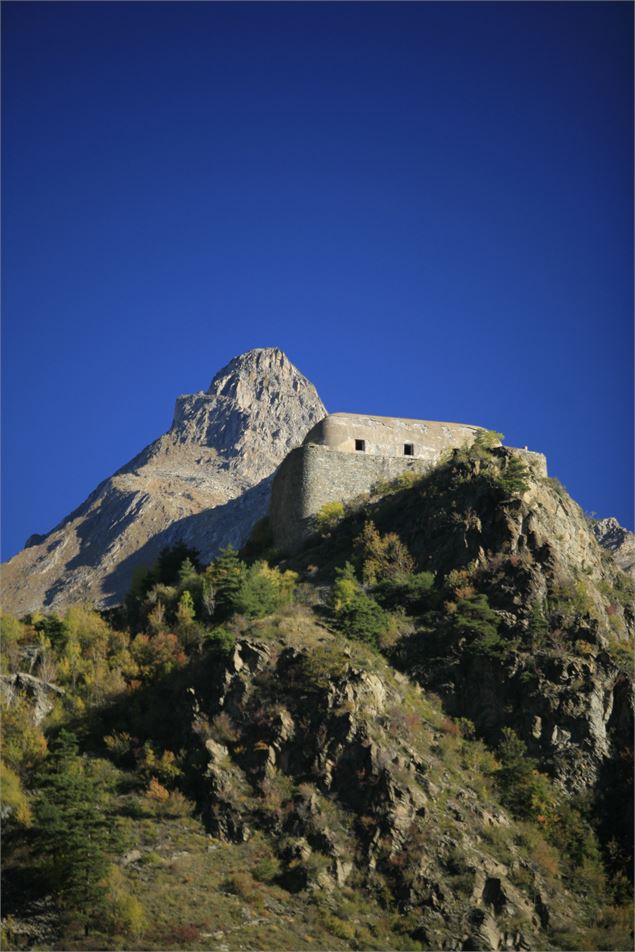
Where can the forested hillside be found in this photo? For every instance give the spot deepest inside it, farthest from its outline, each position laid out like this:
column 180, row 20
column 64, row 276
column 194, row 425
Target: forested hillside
column 416, row 734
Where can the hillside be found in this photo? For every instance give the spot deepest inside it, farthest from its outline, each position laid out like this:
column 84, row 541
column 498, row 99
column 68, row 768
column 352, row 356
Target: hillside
column 416, row 734
column 205, row 481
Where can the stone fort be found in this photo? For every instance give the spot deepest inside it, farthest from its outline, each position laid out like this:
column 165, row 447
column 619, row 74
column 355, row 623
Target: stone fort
column 346, row 454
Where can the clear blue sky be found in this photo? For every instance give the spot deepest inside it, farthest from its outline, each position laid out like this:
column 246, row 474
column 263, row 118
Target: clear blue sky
column 429, row 207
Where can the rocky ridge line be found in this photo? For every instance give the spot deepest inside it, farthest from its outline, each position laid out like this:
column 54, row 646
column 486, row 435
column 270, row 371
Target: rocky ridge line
column 205, row 481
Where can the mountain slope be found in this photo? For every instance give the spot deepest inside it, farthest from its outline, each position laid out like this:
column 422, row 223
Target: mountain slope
column 421, row 740
column 205, row 481
column 532, row 621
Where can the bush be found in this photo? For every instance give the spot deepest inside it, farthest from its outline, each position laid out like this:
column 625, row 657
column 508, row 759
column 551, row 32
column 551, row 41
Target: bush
column 473, row 618
column 321, row 666
column 267, row 869
column 513, row 477
column 124, row 912
column 410, row 592
column 621, row 654
column 263, row 590
column 525, row 791
column 119, row 744
column 11, row 633
column 221, row 640
column 486, row 440
column 15, row 805
column 364, row 620
column 328, row 517
column 242, row 884
column 157, row 656
column 382, row 557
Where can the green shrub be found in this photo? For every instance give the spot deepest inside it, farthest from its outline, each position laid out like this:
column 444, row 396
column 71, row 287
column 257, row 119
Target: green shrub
column 362, row 618
column 570, row 601
column 263, row 590
column 410, row 592
column 267, row 869
column 12, row 632
column 221, row 640
column 329, row 516
column 513, row 477
column 119, row 744
column 321, row 666
column 621, row 654
column 381, row 557
column 475, row 620
column 486, row 440
column 525, row 791
column 15, row 803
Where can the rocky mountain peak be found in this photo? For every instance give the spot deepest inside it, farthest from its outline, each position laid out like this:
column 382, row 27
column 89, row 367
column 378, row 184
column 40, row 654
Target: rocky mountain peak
column 253, row 410
column 205, row 481
column 618, row 540
column 259, row 365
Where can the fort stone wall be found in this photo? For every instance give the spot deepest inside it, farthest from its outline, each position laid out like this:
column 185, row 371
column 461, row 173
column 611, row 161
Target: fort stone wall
column 346, row 454
column 313, row 475
column 389, row 436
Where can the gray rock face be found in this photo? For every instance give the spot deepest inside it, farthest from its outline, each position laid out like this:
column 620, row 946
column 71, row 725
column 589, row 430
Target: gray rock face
column 41, row 695
column 206, row 481
column 352, row 789
column 612, row 536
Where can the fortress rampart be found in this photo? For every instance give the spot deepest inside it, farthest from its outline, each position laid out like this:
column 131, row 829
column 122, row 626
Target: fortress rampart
column 392, row 437
column 346, row 454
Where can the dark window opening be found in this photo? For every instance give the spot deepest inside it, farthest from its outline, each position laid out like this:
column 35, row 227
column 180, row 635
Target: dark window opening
column 360, row 446
column 408, row 449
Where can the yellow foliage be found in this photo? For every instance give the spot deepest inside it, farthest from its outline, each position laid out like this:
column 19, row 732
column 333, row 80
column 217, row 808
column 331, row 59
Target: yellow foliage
column 284, row 582
column 125, row 911
column 329, row 515
column 344, row 591
column 14, row 799
column 88, row 629
column 22, row 743
column 585, row 647
column 157, row 791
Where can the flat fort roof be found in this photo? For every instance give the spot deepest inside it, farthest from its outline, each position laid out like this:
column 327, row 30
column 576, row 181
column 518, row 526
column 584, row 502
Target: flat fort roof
column 381, row 419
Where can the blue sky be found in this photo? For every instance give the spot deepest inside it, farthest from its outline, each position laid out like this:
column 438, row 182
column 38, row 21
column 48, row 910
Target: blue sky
column 428, row 206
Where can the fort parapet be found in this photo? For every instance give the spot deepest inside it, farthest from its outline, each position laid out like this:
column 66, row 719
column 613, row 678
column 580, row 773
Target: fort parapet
column 346, row 454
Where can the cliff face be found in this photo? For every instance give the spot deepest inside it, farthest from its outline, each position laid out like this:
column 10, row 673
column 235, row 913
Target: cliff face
column 412, row 752
column 359, row 787
column 205, row 481
column 559, row 611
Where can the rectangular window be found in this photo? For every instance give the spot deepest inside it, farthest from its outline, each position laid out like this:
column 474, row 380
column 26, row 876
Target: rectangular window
column 360, row 446
column 408, row 449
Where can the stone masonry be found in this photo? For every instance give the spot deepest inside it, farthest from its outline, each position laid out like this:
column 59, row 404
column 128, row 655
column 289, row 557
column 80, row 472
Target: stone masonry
column 346, row 454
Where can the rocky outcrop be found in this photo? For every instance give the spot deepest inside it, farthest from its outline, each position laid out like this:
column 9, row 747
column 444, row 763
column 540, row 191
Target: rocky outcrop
column 40, row 695
column 618, row 540
column 562, row 610
column 206, row 482
column 342, row 763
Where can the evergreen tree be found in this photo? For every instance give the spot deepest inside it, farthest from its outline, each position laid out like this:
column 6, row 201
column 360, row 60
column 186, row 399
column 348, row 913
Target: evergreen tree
column 75, row 835
column 226, row 574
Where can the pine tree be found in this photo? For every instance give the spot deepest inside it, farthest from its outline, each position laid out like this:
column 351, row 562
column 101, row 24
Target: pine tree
column 227, row 574
column 75, row 835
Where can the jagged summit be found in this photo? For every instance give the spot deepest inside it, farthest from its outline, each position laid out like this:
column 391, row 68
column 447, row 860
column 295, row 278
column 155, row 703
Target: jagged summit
column 261, row 361
column 205, row 481
column 618, row 540
column 257, row 400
